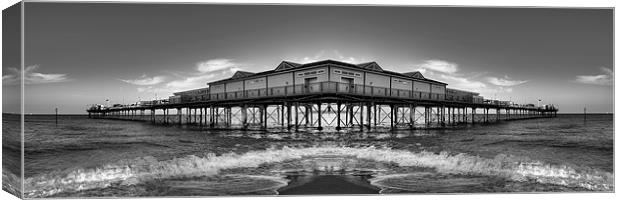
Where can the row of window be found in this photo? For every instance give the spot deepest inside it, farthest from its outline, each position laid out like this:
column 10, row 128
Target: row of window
column 347, row 73
column 308, row 73
column 255, row 81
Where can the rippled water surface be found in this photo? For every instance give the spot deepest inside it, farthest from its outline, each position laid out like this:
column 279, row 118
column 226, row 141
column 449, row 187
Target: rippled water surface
column 95, row 157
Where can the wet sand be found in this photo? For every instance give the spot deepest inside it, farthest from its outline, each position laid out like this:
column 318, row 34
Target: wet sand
column 328, row 184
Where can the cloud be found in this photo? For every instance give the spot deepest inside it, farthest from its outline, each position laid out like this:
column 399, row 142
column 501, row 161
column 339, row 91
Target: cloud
column 330, row 55
column 187, row 83
column 192, row 82
column 12, row 77
column 445, row 71
column 216, row 65
column 315, row 58
column 145, row 89
column 205, row 72
column 506, row 82
column 144, row 80
column 439, row 66
column 607, row 78
column 463, row 83
column 6, row 78
column 348, row 59
column 448, row 72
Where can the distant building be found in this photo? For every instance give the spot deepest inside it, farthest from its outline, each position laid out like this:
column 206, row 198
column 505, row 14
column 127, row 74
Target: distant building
column 460, row 95
column 201, row 94
column 505, row 103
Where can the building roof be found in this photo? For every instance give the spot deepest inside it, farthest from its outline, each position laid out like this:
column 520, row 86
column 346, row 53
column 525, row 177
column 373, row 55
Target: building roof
column 241, row 74
column 371, row 66
column 286, row 66
column 415, row 74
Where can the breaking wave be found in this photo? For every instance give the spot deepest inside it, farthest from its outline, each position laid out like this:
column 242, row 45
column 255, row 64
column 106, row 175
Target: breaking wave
column 134, row 171
column 11, row 183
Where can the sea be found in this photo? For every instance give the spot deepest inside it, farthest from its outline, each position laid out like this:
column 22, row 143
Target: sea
column 75, row 156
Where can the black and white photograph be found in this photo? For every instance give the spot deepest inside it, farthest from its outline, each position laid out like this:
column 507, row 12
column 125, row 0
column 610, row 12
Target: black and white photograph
column 121, row 99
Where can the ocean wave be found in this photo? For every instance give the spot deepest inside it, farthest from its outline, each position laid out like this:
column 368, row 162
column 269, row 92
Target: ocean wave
column 433, row 182
column 11, row 183
column 134, row 171
column 196, row 186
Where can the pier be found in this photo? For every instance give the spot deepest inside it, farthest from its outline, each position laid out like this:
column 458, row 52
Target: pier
column 324, row 94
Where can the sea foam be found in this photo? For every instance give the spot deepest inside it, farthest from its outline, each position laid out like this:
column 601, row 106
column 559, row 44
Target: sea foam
column 147, row 168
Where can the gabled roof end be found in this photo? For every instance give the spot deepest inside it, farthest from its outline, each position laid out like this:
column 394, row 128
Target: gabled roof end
column 286, row 65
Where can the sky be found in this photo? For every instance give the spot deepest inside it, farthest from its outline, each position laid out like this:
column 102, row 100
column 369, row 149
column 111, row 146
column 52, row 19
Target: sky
column 80, row 54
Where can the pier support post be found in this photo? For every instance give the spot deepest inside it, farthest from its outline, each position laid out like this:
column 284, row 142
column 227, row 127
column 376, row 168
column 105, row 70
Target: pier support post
column 244, row 116
column 189, row 115
column 338, row 107
column 508, row 112
column 426, row 116
column 179, row 113
column 349, row 115
column 439, row 117
column 392, row 116
column 320, row 116
column 411, row 116
column 497, row 113
column 455, row 115
column 368, row 110
column 152, row 116
column 375, row 114
column 443, row 115
column 464, row 115
column 203, row 116
column 166, row 116
column 473, row 115
column 211, row 115
column 264, row 116
column 288, row 116
column 296, row 116
column 308, row 115
column 361, row 116
column 229, row 117
column 281, row 113
column 486, row 114
column 449, row 115
column 217, row 116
